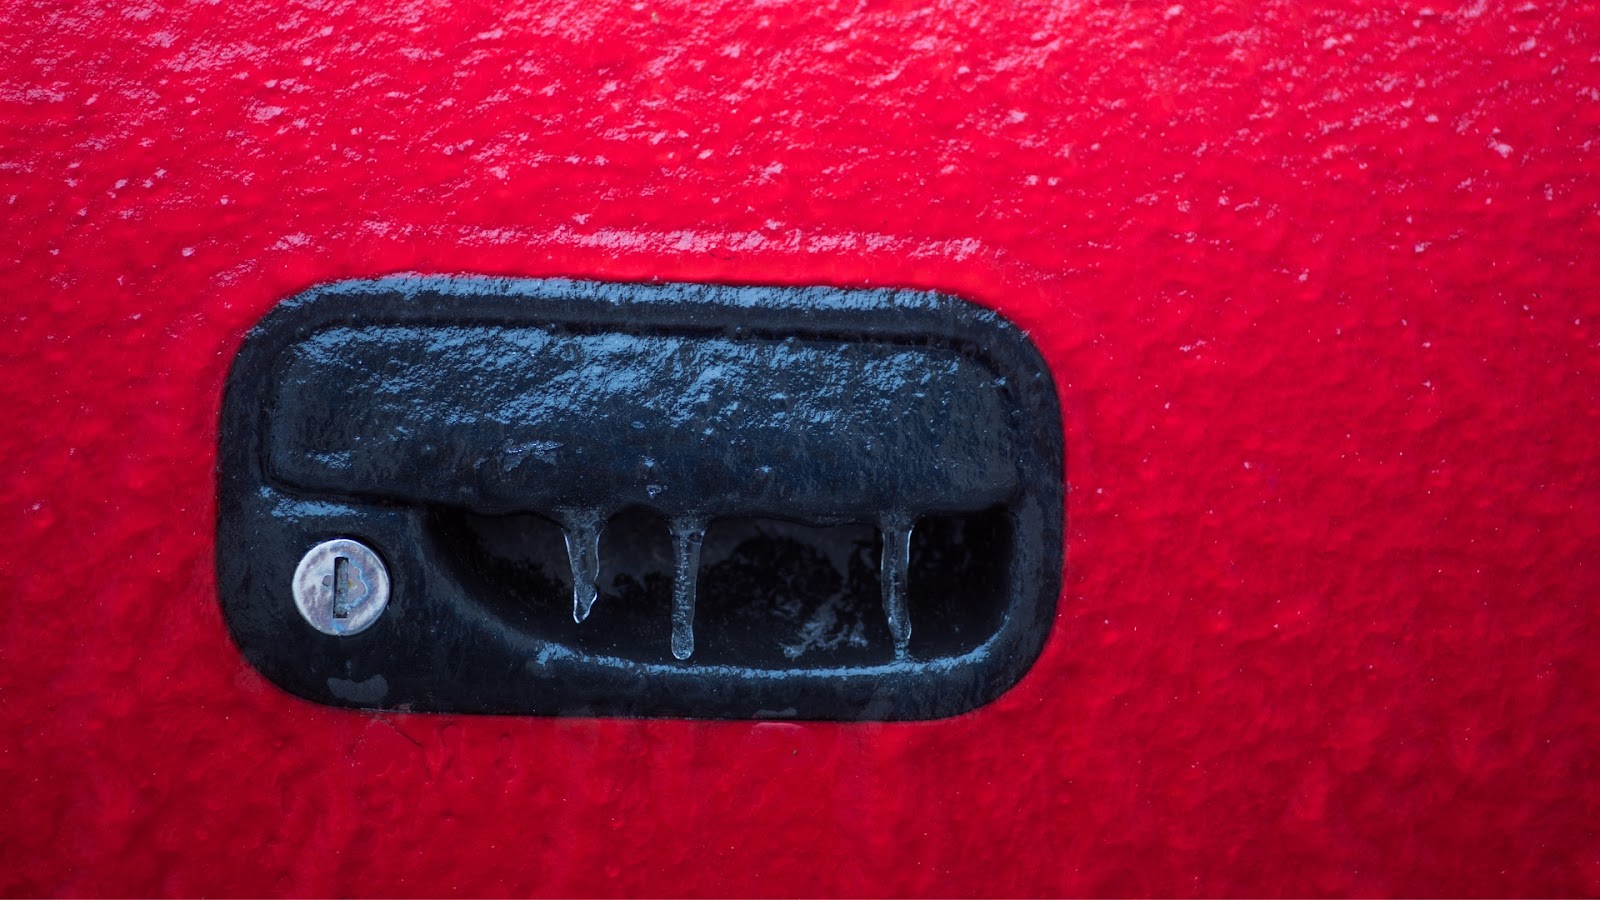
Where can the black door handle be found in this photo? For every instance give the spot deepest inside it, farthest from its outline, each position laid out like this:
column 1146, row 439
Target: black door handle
column 468, row 430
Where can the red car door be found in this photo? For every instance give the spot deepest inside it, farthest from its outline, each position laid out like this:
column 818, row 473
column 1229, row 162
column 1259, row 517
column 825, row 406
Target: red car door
column 1318, row 284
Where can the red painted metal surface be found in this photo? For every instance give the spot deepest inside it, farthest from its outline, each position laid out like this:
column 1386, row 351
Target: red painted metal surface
column 1320, row 284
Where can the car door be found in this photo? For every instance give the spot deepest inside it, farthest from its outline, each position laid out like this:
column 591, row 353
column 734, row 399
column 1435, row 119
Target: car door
column 1315, row 285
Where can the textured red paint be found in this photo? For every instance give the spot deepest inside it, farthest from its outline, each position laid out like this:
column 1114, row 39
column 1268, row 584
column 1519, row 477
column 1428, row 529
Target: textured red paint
column 1320, row 283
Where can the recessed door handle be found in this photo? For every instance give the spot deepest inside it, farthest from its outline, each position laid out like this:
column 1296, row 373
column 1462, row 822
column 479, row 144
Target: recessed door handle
column 472, row 431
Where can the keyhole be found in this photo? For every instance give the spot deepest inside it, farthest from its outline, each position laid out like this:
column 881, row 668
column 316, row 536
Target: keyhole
column 341, row 587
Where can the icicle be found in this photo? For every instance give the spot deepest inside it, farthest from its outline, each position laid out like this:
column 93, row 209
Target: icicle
column 582, row 529
column 686, row 537
column 896, row 529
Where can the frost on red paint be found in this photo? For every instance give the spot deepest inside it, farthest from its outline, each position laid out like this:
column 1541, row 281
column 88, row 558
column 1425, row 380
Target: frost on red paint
column 1317, row 281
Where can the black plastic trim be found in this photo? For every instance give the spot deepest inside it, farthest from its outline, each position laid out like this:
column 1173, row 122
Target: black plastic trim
column 438, row 648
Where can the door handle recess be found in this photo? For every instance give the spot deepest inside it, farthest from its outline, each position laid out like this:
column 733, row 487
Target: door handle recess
column 621, row 499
